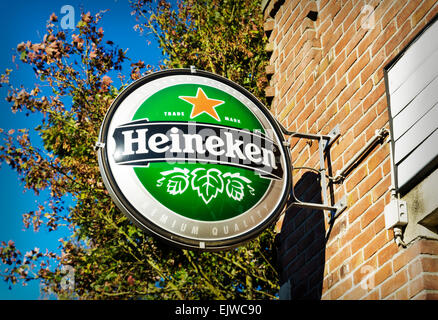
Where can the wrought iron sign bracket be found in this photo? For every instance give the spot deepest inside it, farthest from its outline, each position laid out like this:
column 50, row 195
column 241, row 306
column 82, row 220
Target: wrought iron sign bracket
column 324, row 143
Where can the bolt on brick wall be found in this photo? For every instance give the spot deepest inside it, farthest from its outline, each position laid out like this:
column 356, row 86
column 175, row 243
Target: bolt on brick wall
column 325, row 72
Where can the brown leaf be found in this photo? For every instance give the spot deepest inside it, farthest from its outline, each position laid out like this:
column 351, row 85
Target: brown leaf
column 53, row 17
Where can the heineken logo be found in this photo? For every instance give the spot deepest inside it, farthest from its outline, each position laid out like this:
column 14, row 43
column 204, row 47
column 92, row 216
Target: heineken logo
column 194, row 159
column 140, row 142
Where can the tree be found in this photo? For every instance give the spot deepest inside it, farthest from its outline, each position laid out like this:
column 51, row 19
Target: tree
column 77, row 71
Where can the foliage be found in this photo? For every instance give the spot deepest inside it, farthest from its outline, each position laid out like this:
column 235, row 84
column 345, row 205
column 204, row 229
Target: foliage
column 223, row 37
column 76, row 75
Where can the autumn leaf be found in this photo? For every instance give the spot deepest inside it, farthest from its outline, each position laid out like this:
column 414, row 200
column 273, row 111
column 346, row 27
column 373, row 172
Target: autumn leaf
column 53, row 17
column 106, row 248
column 106, row 80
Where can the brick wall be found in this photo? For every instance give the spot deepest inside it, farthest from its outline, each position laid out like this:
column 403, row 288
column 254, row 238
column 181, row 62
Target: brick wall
column 325, row 72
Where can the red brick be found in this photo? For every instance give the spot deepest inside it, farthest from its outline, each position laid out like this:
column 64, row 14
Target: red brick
column 373, row 295
column 351, row 232
column 369, row 182
column 415, row 268
column 406, row 12
column 314, row 89
column 381, row 9
column 358, row 242
column 381, row 106
column 331, row 9
column 423, row 282
column 398, row 38
column 338, row 226
column 270, row 91
column 368, row 39
column 430, row 264
column 431, row 14
column 421, row 11
column 355, row 177
column 393, row 283
column 269, row 24
column 354, row 41
column 343, row 83
column 349, row 122
column 333, row 94
column 348, row 92
column 373, row 212
column 270, row 69
column 343, row 41
column 342, row 255
column 358, row 66
column 360, row 95
column 402, row 294
column 427, row 296
column 374, row 245
column 340, row 289
column 330, row 38
column 330, row 280
column 325, row 117
column 374, row 96
column 415, row 286
column 345, row 9
column 352, row 198
column 361, row 206
column 356, row 260
column 304, row 88
column 386, row 167
column 346, row 64
column 378, row 224
column 383, row 273
column 392, row 12
column 353, row 149
column 381, row 188
column 384, row 36
column 354, row 14
column 313, row 119
column 355, row 294
column 364, row 122
column 407, row 255
column 387, row 253
column 430, row 281
column 375, row 63
column 380, row 122
column 338, row 62
column 378, row 156
column 428, row 246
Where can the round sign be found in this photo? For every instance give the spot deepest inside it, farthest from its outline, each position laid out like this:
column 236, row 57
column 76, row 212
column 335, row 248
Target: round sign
column 194, row 159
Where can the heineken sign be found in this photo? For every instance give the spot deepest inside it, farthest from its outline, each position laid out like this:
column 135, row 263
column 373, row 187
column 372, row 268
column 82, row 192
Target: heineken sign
column 194, row 159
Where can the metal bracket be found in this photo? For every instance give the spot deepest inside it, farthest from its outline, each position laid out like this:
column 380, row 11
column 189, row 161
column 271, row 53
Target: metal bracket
column 99, row 145
column 377, row 138
column 333, row 135
column 335, row 210
column 324, row 142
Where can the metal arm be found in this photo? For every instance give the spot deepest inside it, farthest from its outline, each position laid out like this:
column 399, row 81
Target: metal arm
column 324, row 141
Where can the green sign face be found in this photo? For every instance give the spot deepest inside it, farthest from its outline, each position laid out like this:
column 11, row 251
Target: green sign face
column 194, row 158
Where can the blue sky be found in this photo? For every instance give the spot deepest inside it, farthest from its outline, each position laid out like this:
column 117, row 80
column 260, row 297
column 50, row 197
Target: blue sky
column 22, row 20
